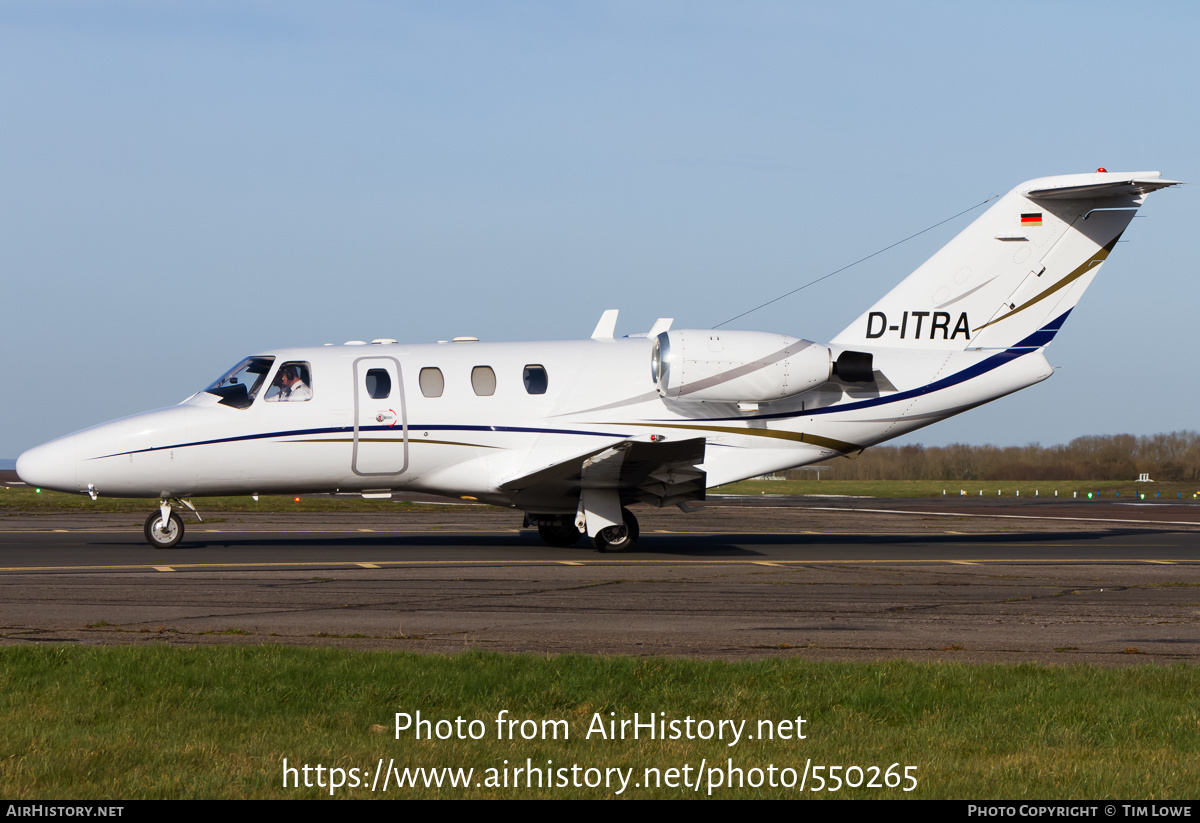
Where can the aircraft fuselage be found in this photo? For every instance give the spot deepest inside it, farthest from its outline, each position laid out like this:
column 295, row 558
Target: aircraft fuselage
column 573, row 432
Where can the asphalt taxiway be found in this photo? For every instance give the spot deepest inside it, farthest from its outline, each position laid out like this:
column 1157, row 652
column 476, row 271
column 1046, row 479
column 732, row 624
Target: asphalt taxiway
column 819, row 578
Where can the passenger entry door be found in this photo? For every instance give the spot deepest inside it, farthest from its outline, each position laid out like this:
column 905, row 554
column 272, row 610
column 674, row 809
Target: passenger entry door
column 380, row 419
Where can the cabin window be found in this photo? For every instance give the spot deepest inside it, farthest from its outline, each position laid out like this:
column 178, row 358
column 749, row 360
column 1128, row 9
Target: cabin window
column 536, row 379
column 483, row 381
column 293, row 382
column 432, row 382
column 239, row 386
column 379, row 383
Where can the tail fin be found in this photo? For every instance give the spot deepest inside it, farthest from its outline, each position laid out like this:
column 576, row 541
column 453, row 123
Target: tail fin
column 1015, row 273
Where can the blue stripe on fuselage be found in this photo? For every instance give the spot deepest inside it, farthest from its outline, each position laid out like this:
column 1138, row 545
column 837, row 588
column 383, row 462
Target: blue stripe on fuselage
column 350, row 430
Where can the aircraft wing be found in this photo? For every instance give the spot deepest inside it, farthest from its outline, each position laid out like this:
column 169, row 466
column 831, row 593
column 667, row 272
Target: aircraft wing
column 661, row 473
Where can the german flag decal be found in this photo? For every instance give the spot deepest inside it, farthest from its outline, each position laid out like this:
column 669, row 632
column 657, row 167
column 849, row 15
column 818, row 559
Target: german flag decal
column 1034, row 219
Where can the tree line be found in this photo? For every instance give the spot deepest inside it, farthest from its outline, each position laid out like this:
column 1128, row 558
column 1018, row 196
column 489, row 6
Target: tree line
column 1173, row 456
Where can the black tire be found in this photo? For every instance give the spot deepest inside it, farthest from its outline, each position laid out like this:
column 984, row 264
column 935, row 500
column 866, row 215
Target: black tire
column 561, row 533
column 618, row 538
column 159, row 538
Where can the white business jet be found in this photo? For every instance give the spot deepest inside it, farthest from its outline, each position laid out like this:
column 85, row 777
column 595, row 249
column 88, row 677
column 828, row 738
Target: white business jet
column 572, row 433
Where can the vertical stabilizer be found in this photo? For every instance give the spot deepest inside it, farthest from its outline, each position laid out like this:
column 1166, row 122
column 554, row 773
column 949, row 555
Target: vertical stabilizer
column 1014, row 274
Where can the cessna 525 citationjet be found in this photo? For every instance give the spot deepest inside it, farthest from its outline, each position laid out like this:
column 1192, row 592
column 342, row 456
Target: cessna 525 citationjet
column 572, row 433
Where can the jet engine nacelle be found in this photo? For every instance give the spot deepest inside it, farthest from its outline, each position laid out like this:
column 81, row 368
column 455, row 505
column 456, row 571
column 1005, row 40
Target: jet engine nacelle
column 736, row 366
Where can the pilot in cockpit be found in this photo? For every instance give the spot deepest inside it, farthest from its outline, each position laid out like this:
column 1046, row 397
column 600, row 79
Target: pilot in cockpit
column 289, row 385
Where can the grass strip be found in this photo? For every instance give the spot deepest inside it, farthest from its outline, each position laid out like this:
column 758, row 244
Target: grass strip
column 1107, row 490
column 218, row 722
column 17, row 500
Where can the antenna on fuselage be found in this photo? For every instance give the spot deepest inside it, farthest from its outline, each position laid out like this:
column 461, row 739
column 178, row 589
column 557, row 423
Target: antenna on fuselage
column 607, row 327
column 855, row 263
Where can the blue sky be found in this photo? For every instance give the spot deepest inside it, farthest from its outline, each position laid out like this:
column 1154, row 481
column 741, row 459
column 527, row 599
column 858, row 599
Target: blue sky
column 184, row 184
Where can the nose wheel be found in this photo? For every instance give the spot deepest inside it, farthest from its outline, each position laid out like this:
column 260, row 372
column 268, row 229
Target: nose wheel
column 161, row 537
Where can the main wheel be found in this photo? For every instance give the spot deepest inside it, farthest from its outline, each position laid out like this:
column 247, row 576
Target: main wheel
column 618, row 538
column 161, row 538
column 561, row 533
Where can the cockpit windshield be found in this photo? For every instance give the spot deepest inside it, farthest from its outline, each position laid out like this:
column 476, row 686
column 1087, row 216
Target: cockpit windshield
column 239, row 386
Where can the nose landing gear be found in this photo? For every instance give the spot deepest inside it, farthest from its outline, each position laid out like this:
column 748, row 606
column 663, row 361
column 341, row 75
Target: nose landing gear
column 164, row 528
column 160, row 536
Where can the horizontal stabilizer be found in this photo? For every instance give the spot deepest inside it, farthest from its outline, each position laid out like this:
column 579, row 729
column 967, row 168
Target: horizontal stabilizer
column 1134, row 187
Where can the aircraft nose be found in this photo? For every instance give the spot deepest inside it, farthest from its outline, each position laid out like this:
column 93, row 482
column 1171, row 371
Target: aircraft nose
column 50, row 465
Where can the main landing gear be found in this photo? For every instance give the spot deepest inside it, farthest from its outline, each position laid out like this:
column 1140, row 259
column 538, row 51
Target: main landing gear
column 164, row 528
column 560, row 531
column 618, row 538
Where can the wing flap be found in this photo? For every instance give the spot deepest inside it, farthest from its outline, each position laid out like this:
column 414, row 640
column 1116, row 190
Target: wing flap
column 658, row 472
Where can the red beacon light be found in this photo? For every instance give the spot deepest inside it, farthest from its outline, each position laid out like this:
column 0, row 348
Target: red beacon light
column 1102, row 170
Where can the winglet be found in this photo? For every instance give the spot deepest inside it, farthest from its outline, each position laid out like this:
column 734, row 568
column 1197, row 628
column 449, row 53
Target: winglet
column 607, row 327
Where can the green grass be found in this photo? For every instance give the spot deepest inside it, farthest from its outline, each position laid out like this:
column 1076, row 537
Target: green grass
column 17, row 500
column 218, row 722
column 1107, row 489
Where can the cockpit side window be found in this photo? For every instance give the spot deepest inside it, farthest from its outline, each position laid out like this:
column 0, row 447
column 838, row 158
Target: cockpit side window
column 239, row 386
column 293, row 382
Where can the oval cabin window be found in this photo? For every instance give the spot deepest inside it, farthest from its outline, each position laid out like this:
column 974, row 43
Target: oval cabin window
column 483, row 381
column 432, row 382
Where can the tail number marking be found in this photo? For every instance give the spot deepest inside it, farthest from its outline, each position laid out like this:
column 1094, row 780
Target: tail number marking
column 913, row 323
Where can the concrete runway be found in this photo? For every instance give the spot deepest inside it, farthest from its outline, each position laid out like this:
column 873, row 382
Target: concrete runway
column 1054, row 583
